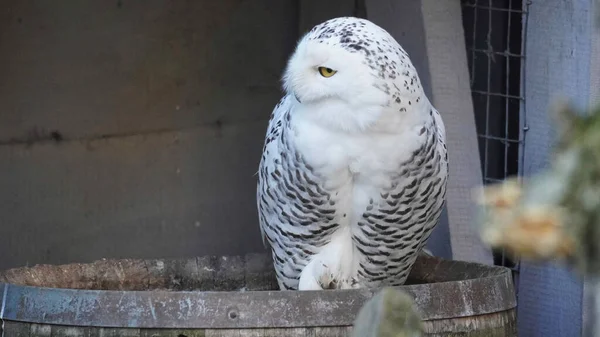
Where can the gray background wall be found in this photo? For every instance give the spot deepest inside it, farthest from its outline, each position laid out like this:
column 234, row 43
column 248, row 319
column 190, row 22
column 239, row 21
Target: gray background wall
column 161, row 108
column 133, row 128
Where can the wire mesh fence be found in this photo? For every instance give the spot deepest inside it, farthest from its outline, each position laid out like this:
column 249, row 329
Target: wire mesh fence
column 495, row 40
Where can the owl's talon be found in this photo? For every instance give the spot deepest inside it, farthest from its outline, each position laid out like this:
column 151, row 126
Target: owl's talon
column 351, row 283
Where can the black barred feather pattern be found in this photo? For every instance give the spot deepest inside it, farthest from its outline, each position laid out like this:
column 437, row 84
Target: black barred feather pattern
column 353, row 174
column 296, row 213
column 391, row 234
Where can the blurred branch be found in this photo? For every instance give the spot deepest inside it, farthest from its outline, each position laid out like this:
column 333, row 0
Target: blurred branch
column 555, row 214
column 390, row 313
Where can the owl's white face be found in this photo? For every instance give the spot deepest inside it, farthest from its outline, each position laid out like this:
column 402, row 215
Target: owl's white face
column 344, row 76
column 350, row 74
column 334, row 85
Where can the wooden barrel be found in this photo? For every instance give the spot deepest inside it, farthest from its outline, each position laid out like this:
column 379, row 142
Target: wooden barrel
column 235, row 296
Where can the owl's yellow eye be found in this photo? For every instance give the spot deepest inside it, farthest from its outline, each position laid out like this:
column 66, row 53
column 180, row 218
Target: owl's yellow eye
column 326, row 72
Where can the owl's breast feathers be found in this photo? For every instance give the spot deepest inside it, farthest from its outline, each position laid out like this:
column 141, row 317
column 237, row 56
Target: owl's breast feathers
column 400, row 219
column 299, row 211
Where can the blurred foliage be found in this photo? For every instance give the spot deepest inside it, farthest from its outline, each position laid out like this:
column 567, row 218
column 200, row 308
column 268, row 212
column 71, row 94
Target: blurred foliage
column 556, row 213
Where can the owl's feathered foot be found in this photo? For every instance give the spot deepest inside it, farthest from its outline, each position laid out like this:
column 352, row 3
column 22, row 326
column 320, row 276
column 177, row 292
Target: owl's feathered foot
column 318, row 276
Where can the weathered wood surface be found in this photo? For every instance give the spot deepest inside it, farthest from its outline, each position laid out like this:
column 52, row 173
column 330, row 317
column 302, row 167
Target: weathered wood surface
column 236, row 296
column 248, row 272
column 206, row 273
column 35, row 330
column 495, row 325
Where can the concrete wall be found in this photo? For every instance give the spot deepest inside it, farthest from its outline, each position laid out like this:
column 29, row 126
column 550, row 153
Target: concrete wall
column 133, row 128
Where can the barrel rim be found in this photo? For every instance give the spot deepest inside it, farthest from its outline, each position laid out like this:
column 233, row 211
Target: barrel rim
column 249, row 309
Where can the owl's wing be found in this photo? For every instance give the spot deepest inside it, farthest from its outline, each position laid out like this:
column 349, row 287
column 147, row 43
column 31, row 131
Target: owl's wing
column 400, row 219
column 441, row 128
column 270, row 160
column 296, row 214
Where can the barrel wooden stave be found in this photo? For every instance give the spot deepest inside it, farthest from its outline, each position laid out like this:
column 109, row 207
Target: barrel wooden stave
column 476, row 300
column 19, row 329
column 499, row 324
column 207, row 273
column 494, row 325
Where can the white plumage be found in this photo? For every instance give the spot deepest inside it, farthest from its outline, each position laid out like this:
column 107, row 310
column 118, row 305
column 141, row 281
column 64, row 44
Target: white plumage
column 353, row 174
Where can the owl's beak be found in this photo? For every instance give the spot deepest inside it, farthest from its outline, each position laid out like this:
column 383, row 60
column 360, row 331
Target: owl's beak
column 297, row 98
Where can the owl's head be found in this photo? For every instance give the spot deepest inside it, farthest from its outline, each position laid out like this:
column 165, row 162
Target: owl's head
column 348, row 72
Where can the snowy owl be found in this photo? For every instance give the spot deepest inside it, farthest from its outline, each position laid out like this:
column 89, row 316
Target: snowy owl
column 353, row 174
